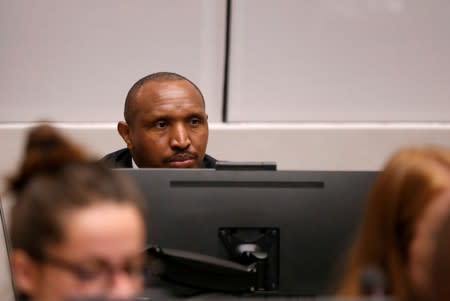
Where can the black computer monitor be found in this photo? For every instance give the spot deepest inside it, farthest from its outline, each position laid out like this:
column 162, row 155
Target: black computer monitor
column 298, row 222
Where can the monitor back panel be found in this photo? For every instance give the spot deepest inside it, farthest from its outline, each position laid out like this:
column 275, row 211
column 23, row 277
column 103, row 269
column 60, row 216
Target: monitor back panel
column 316, row 213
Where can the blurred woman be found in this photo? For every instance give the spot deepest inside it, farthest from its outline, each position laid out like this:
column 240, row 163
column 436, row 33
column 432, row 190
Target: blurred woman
column 440, row 263
column 404, row 208
column 77, row 229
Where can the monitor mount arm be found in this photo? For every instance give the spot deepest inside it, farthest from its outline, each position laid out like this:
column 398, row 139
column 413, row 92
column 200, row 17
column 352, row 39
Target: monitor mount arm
column 203, row 272
column 254, row 266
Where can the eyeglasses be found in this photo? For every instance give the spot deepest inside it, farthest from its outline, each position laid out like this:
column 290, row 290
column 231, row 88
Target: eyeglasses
column 100, row 271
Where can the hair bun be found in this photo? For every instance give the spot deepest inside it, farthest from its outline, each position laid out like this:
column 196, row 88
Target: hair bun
column 47, row 150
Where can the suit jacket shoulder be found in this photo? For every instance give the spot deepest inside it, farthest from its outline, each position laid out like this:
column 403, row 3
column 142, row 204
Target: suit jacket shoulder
column 118, row 159
column 209, row 162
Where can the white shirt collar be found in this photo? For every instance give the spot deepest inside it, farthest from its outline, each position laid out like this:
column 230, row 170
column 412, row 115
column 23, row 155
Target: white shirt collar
column 133, row 164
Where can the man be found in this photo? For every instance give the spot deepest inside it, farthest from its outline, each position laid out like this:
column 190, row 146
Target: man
column 165, row 125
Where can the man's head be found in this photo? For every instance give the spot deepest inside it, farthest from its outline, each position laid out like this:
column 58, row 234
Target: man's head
column 165, row 122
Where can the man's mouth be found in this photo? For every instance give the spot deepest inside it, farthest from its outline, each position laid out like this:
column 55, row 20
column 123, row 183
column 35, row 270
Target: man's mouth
column 182, row 161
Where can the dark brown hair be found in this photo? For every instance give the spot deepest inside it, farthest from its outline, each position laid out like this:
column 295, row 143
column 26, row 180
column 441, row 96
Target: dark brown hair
column 409, row 181
column 54, row 178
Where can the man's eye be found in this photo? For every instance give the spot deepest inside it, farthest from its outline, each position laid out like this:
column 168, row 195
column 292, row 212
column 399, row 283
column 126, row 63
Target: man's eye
column 160, row 124
column 196, row 121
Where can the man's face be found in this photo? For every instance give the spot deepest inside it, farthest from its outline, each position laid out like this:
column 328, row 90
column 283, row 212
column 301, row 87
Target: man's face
column 170, row 127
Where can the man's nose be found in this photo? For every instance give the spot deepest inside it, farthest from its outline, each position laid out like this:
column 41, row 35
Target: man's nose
column 124, row 287
column 180, row 138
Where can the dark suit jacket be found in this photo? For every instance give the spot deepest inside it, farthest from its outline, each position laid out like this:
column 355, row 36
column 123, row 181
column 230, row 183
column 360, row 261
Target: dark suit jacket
column 122, row 159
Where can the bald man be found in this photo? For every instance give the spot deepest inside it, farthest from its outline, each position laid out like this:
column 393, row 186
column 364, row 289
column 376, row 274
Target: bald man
column 165, row 125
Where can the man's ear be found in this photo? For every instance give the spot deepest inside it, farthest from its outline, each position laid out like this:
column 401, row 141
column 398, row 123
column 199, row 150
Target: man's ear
column 25, row 272
column 124, row 131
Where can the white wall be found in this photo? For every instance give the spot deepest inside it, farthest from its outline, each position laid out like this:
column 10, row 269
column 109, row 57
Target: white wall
column 74, row 61
column 340, row 60
column 358, row 62
column 291, row 60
